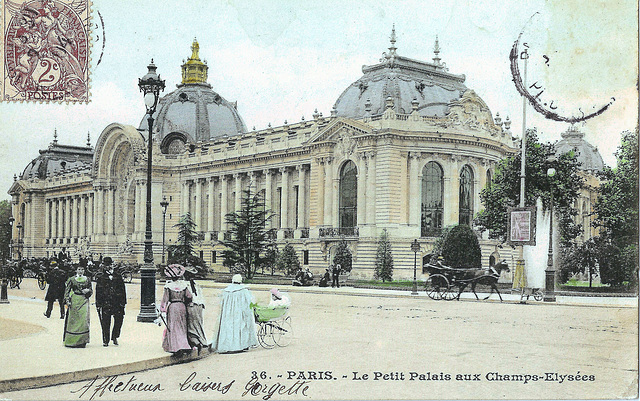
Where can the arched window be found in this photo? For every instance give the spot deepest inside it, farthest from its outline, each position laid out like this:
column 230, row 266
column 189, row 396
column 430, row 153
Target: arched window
column 489, row 178
column 348, row 195
column 466, row 196
column 432, row 199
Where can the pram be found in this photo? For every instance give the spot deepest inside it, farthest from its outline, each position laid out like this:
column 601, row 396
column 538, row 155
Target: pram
column 274, row 325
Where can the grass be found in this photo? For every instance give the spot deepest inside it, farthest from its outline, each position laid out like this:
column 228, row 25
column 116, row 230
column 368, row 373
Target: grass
column 578, row 283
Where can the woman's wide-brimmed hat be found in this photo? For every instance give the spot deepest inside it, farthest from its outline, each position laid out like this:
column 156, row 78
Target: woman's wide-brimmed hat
column 174, row 271
column 236, row 279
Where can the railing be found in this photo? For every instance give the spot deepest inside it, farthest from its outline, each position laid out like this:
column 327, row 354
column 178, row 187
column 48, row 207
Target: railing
column 304, row 233
column 200, row 236
column 227, row 236
column 339, row 231
column 430, row 232
column 271, row 234
column 214, row 235
column 287, row 233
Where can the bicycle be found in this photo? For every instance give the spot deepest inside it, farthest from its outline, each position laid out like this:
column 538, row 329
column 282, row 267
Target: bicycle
column 42, row 280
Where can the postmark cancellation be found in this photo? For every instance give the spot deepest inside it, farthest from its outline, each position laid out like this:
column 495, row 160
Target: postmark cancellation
column 45, row 50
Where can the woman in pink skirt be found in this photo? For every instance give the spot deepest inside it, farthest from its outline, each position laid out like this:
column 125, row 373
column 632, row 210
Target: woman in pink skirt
column 176, row 296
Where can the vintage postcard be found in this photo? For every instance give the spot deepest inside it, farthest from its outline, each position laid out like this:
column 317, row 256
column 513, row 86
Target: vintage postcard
column 334, row 200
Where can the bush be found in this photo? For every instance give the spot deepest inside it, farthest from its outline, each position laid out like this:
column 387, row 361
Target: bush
column 287, row 260
column 343, row 256
column 460, row 247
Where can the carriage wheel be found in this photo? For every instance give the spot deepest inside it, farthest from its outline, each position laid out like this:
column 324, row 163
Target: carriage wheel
column 127, row 277
column 265, row 335
column 538, row 295
column 436, row 286
column 42, row 283
column 448, row 294
column 15, row 281
column 283, row 332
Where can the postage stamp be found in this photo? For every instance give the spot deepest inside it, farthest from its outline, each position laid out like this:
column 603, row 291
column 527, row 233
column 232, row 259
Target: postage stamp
column 46, row 50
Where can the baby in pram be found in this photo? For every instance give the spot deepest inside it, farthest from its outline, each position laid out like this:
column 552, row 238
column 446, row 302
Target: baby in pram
column 278, row 299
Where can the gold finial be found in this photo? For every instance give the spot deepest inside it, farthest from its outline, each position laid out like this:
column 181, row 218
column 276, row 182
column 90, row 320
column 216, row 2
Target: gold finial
column 194, row 71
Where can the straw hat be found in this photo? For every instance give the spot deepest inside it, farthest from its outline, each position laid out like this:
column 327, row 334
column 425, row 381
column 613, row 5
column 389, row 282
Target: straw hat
column 174, row 271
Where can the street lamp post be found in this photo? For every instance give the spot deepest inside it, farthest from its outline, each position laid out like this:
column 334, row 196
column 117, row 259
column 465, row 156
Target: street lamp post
column 415, row 247
column 4, row 298
column 163, row 205
column 550, row 273
column 19, row 227
column 151, row 85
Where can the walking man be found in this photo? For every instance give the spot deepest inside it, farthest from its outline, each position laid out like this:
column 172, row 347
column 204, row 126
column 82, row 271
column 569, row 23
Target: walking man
column 336, row 275
column 57, row 280
column 111, row 298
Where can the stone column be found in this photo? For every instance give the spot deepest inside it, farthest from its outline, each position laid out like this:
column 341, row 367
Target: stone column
column 184, row 198
column 67, row 217
column 414, row 186
column 320, row 188
column 267, row 192
column 223, row 203
column 110, row 210
column 198, row 205
column 91, row 220
column 328, row 192
column 237, row 204
column 362, row 193
column 284, row 216
column 211, row 204
column 47, row 217
column 371, row 188
column 137, row 224
column 302, row 195
column 83, row 216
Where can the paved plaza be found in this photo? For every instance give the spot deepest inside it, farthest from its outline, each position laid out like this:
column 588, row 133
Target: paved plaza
column 349, row 344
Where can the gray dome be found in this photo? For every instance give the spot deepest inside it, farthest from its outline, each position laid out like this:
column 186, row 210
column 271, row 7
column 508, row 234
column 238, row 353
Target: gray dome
column 197, row 112
column 588, row 155
column 410, row 83
column 57, row 160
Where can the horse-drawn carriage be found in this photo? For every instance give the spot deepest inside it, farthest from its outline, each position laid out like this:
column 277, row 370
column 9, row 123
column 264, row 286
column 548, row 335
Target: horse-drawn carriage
column 443, row 279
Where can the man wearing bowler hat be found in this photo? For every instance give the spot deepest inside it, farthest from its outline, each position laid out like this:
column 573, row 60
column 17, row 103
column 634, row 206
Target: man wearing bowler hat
column 111, row 297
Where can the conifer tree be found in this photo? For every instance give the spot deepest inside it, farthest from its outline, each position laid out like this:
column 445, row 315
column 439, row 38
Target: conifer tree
column 288, row 261
column 384, row 258
column 249, row 239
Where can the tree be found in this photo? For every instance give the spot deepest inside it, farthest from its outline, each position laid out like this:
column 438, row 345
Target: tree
column 287, row 260
column 504, row 190
column 617, row 205
column 581, row 258
column 183, row 252
column 460, row 247
column 343, row 256
column 5, row 229
column 384, row 258
column 617, row 215
column 249, row 242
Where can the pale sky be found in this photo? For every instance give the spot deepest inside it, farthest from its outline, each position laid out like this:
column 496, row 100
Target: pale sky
column 282, row 59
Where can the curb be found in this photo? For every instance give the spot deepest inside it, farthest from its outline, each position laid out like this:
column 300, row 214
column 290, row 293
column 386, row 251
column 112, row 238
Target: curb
column 28, row 383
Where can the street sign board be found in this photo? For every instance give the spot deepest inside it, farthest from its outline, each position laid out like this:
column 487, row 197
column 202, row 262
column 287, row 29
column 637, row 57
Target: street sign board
column 521, row 225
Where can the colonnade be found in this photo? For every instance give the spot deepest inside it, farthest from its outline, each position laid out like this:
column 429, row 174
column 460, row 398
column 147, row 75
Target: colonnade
column 68, row 217
column 210, row 199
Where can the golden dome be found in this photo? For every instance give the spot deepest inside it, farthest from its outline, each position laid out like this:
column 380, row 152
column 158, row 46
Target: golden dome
column 194, row 71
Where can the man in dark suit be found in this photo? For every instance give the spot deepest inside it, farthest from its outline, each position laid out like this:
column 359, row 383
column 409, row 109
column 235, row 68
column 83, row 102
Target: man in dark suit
column 57, row 280
column 336, row 275
column 111, row 297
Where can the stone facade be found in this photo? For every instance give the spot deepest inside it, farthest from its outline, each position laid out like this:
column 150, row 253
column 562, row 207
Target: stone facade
column 331, row 177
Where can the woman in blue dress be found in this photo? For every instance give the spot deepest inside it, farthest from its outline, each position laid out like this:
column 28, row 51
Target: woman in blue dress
column 236, row 326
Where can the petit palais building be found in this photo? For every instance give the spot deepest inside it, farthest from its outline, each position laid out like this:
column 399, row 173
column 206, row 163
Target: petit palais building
column 407, row 148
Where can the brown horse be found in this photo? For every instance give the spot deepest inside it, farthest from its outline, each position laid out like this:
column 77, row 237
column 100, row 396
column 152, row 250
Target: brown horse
column 488, row 277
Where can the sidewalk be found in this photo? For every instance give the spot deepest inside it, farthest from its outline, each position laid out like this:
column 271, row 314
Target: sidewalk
column 33, row 354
